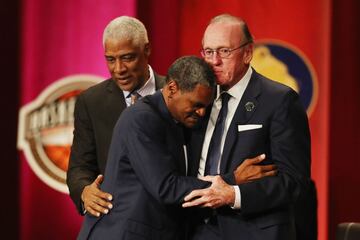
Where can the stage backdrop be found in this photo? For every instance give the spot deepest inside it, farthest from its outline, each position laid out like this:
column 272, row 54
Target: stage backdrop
column 61, row 54
column 293, row 45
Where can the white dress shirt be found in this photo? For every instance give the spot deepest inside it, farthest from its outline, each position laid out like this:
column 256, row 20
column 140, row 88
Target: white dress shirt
column 236, row 93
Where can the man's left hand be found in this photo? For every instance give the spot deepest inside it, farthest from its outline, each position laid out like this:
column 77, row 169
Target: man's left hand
column 217, row 195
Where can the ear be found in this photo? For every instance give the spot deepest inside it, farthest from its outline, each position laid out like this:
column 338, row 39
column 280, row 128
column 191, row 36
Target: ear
column 147, row 49
column 248, row 53
column 172, row 87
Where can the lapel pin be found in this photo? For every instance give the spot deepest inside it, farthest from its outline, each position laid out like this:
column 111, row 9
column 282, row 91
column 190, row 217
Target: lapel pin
column 249, row 106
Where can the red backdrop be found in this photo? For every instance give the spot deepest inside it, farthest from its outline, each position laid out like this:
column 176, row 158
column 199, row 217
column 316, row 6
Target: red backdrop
column 64, row 37
column 303, row 24
column 328, row 32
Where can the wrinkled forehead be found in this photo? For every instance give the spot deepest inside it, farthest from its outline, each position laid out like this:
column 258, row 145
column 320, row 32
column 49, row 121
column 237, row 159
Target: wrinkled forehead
column 122, row 44
column 222, row 35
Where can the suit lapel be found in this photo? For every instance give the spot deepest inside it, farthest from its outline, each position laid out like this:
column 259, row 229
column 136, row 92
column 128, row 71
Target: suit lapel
column 196, row 143
column 245, row 110
column 116, row 97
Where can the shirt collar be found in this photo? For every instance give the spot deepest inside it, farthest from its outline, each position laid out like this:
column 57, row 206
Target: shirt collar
column 148, row 88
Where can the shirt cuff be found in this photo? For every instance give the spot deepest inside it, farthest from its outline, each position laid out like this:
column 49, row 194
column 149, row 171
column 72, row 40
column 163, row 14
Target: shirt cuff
column 237, row 202
column 83, row 208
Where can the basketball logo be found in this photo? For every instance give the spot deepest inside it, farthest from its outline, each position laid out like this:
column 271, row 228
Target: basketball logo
column 286, row 64
column 46, row 127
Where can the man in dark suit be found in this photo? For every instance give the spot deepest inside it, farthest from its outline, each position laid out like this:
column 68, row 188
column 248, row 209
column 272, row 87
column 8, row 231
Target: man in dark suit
column 97, row 109
column 147, row 165
column 261, row 117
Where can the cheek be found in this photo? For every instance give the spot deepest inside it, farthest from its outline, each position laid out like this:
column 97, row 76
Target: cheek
column 110, row 66
column 132, row 67
column 230, row 68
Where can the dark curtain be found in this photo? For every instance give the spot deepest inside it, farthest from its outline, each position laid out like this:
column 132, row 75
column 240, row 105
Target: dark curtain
column 344, row 186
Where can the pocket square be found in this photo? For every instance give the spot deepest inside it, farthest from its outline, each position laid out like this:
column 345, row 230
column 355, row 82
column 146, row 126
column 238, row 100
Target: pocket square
column 248, row 127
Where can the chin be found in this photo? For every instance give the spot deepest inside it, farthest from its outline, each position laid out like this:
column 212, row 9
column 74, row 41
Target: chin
column 126, row 87
column 190, row 124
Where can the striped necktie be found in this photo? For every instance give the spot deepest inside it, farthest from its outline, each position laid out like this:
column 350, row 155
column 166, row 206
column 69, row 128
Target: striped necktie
column 134, row 97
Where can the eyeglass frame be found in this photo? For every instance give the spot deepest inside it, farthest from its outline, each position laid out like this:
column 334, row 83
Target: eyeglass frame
column 218, row 53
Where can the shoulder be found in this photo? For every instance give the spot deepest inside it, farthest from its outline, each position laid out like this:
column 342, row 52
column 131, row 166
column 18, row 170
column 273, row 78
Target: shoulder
column 274, row 90
column 271, row 85
column 159, row 80
column 98, row 90
column 140, row 118
column 279, row 98
column 141, row 112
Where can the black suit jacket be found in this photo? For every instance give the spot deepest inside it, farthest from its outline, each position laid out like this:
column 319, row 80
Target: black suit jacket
column 145, row 174
column 282, row 133
column 96, row 111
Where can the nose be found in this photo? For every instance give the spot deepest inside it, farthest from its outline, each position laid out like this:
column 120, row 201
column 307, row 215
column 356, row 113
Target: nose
column 215, row 59
column 201, row 112
column 119, row 66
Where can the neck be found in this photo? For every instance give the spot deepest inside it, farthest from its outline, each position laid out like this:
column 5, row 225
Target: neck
column 144, row 80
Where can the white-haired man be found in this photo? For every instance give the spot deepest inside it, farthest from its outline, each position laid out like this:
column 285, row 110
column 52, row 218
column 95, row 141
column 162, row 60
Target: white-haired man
column 127, row 51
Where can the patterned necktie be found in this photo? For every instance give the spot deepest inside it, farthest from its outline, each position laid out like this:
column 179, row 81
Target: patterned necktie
column 214, row 151
column 134, row 97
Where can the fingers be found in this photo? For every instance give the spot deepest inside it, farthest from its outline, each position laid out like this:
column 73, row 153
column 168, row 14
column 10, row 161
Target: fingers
column 193, row 194
column 94, row 212
column 200, row 198
column 270, row 167
column 255, row 160
column 97, row 206
column 194, row 203
column 99, row 180
column 208, row 178
column 250, row 170
column 218, row 194
column 103, row 195
column 270, row 173
column 262, row 175
column 95, row 201
column 251, row 161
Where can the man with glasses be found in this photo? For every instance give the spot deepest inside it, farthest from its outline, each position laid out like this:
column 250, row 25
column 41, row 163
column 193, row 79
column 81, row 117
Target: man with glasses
column 146, row 168
column 250, row 116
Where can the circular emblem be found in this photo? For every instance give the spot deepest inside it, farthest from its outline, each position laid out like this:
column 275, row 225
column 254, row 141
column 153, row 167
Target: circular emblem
column 46, row 128
column 286, row 64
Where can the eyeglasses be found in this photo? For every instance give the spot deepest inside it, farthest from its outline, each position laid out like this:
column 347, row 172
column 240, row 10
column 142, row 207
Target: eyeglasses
column 221, row 52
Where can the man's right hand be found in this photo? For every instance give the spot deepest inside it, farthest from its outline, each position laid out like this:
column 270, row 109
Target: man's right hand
column 96, row 201
column 249, row 170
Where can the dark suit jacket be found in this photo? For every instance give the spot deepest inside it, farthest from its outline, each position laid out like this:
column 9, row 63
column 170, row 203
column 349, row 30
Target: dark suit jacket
column 267, row 204
column 146, row 159
column 96, row 111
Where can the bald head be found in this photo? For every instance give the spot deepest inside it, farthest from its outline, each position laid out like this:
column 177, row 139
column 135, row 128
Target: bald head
column 230, row 19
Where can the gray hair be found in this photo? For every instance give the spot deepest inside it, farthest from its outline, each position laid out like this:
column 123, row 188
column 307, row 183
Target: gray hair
column 126, row 27
column 227, row 18
column 190, row 71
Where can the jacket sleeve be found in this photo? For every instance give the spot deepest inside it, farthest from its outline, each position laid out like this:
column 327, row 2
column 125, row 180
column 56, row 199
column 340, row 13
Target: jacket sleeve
column 151, row 160
column 83, row 167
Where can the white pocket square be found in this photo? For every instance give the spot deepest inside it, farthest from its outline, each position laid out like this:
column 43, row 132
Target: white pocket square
column 248, row 127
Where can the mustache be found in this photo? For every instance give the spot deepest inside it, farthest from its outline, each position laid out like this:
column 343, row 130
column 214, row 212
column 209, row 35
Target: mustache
column 195, row 115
